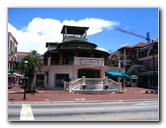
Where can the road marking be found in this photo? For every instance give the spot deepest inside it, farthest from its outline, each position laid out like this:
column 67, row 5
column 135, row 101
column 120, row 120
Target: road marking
column 77, row 99
column 80, row 99
column 26, row 112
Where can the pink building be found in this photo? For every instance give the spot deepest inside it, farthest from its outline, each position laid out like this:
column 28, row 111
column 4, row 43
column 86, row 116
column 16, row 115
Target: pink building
column 75, row 62
column 140, row 62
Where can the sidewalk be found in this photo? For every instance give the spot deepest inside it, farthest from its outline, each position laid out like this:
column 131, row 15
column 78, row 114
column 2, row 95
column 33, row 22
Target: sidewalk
column 132, row 93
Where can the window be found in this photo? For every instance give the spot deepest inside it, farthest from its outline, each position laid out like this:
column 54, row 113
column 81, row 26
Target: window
column 10, row 46
column 156, row 64
column 151, row 65
column 144, row 66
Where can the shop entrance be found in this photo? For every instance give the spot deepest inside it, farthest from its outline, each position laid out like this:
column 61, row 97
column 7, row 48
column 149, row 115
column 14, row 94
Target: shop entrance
column 89, row 73
column 59, row 80
column 40, row 80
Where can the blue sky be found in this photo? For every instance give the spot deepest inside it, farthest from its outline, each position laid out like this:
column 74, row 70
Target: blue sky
column 33, row 27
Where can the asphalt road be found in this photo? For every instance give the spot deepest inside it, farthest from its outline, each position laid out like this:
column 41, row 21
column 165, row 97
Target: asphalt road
column 84, row 111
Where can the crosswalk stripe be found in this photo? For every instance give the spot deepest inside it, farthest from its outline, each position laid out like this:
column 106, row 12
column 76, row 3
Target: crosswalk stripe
column 80, row 99
column 26, row 112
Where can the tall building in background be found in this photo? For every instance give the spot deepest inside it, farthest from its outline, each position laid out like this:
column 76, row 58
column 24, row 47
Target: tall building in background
column 12, row 51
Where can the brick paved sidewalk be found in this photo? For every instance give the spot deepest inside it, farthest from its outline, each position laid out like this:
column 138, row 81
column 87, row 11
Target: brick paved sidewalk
column 132, row 93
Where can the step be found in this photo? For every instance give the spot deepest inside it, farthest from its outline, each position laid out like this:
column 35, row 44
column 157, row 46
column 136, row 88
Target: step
column 96, row 91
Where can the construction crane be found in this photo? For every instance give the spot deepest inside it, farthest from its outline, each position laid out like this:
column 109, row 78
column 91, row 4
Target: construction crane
column 146, row 38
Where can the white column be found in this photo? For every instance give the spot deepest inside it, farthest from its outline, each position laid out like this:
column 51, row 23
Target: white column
column 83, row 80
column 65, row 82
column 106, row 80
column 124, row 87
column 85, row 34
column 120, row 84
column 49, row 58
column 102, row 72
column 102, row 64
column 119, row 63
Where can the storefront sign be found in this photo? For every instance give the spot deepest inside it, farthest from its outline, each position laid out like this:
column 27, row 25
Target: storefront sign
column 89, row 61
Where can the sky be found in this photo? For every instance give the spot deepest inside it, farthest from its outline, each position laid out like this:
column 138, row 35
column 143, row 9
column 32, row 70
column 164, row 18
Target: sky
column 33, row 27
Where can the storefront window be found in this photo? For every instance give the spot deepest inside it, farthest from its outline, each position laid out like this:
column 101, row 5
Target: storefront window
column 144, row 66
column 40, row 80
column 60, row 78
column 151, row 65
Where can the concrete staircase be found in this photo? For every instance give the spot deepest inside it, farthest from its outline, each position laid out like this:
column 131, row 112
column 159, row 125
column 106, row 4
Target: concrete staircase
column 94, row 85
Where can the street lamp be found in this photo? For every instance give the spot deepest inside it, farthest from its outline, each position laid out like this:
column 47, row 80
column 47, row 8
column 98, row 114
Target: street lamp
column 25, row 74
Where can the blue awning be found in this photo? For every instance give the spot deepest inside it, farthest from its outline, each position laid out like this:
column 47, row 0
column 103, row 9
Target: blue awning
column 116, row 74
column 125, row 75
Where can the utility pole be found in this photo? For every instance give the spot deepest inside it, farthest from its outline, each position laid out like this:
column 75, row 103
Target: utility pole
column 153, row 64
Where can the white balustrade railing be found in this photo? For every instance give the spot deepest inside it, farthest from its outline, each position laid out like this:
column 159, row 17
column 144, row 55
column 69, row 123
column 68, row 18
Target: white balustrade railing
column 113, row 84
column 74, row 83
column 93, row 83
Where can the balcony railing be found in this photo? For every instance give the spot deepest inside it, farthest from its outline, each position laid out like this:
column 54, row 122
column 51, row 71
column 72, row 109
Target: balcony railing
column 76, row 61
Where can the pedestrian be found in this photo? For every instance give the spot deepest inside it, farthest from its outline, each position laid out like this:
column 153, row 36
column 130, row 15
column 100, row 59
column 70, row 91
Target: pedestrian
column 128, row 83
column 58, row 82
column 62, row 82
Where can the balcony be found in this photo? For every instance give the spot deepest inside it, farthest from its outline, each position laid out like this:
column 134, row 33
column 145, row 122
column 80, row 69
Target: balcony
column 76, row 61
column 68, row 38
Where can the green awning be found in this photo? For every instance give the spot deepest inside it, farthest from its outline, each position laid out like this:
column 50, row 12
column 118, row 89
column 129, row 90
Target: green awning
column 116, row 74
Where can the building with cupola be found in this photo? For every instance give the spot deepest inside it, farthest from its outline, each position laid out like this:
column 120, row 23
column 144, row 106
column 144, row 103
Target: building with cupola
column 76, row 65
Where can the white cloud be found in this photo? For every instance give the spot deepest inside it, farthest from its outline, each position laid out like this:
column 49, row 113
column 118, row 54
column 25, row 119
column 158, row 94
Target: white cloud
column 39, row 31
column 102, row 49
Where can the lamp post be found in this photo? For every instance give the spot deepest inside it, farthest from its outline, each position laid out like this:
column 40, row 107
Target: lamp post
column 25, row 84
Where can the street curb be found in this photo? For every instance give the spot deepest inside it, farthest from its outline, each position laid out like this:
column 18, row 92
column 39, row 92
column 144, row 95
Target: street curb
column 89, row 101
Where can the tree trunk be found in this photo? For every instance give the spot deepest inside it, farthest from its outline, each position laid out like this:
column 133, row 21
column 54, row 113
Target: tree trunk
column 30, row 83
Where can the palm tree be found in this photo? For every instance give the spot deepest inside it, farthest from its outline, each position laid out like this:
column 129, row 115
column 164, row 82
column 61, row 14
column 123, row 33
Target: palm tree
column 34, row 64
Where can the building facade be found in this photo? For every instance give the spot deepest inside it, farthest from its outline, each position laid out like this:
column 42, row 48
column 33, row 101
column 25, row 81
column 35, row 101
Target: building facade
column 140, row 62
column 148, row 57
column 12, row 51
column 71, row 60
